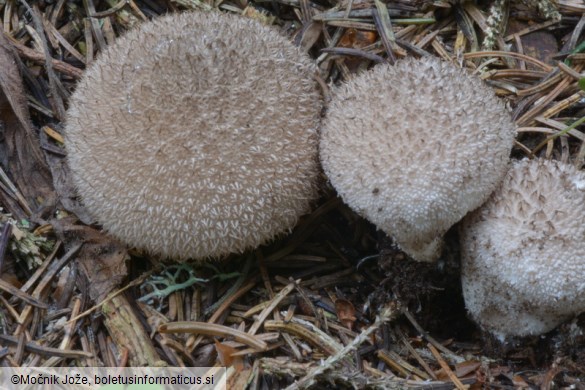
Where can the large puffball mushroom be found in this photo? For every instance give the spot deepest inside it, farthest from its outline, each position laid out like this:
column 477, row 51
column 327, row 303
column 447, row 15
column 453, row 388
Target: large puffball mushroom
column 414, row 147
column 195, row 135
column 523, row 252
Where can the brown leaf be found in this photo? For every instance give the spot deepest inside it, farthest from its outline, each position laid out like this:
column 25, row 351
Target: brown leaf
column 224, row 354
column 11, row 83
column 65, row 189
column 22, row 157
column 467, row 367
column 11, row 279
column 102, row 258
column 519, row 382
column 540, row 44
column 357, row 38
column 442, row 375
column 345, row 312
column 310, row 35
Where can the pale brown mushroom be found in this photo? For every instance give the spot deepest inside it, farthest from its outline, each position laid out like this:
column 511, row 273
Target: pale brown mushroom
column 523, row 252
column 414, row 147
column 195, row 135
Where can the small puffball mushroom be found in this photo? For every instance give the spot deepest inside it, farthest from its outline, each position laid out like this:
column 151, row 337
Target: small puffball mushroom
column 523, row 252
column 195, row 135
column 414, row 147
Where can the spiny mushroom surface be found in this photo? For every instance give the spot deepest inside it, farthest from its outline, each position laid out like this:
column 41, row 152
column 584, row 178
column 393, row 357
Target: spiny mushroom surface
column 195, row 135
column 414, row 147
column 523, row 252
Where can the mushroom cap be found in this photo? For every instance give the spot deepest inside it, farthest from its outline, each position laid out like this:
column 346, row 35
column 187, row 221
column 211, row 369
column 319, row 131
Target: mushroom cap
column 523, row 252
column 195, row 135
column 414, row 147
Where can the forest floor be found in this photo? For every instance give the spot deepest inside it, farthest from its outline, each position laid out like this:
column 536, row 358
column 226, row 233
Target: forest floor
column 335, row 303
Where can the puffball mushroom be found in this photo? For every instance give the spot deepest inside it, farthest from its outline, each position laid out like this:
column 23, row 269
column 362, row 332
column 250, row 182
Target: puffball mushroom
column 195, row 135
column 523, row 252
column 414, row 147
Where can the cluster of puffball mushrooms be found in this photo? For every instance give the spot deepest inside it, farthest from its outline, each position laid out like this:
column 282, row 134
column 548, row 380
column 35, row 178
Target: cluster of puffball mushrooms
column 197, row 135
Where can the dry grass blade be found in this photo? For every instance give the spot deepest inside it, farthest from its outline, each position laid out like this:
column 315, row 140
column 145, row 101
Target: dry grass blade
column 110, row 11
column 58, row 65
column 193, row 341
column 384, row 26
column 563, row 105
column 570, row 71
column 417, row 356
column 529, row 116
column 387, row 314
column 11, row 189
column 95, row 26
column 270, row 307
column 480, row 54
column 401, row 365
column 54, row 82
column 560, row 133
column 46, row 351
column 393, row 363
column 68, row 334
column 111, row 296
column 529, row 29
column 54, row 32
column 547, row 83
column 213, row 330
column 10, row 289
column 431, row 340
column 234, row 290
column 445, row 367
column 298, row 330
